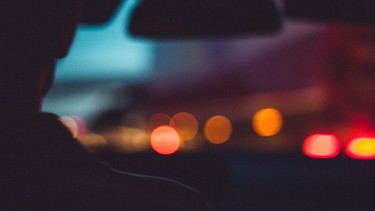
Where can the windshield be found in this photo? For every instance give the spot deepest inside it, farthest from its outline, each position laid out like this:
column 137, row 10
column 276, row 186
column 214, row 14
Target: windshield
column 249, row 114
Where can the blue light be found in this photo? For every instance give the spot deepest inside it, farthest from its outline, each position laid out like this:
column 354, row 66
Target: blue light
column 107, row 52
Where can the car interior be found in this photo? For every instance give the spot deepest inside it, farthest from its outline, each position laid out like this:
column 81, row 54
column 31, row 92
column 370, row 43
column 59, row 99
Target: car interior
column 258, row 104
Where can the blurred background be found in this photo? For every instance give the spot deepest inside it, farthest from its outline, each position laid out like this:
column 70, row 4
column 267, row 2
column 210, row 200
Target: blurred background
column 259, row 122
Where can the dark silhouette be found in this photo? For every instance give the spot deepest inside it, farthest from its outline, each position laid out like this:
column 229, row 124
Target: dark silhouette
column 42, row 166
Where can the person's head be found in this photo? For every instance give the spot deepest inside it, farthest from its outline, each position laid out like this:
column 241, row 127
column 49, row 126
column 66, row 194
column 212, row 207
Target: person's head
column 33, row 35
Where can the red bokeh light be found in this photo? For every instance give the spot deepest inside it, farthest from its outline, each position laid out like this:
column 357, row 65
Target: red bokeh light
column 165, row 140
column 321, row 146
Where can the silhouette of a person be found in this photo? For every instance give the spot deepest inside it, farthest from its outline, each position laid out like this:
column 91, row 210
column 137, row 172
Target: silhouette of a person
column 42, row 166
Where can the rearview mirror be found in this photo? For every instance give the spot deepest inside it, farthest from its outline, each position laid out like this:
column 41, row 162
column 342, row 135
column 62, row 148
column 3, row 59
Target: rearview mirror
column 342, row 11
column 166, row 19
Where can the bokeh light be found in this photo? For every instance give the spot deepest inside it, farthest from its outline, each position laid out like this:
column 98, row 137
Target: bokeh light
column 126, row 140
column 165, row 140
column 92, row 142
column 157, row 120
column 321, row 146
column 218, row 129
column 71, row 124
column 134, row 120
column 134, row 139
column 185, row 124
column 361, row 148
column 267, row 122
column 82, row 127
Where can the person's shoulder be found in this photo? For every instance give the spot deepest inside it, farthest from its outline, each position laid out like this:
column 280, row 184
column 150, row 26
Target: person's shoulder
column 93, row 185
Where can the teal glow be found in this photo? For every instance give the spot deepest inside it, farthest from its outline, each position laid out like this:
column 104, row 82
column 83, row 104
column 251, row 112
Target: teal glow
column 107, row 52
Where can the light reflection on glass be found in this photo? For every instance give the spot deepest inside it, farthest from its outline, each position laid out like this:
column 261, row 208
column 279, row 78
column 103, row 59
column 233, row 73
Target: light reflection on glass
column 165, row 140
column 218, row 129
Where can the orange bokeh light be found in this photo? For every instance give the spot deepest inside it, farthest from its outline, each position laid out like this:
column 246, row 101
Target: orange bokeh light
column 267, row 122
column 185, row 124
column 92, row 141
column 321, row 146
column 218, row 129
column 165, row 140
column 361, row 148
